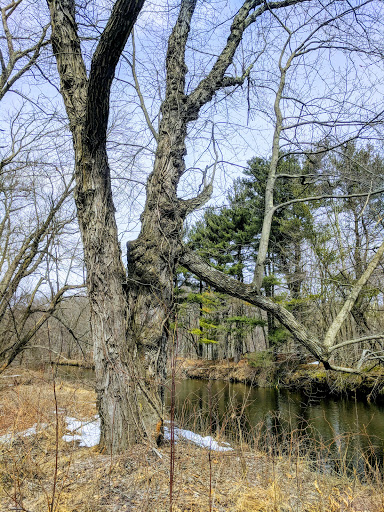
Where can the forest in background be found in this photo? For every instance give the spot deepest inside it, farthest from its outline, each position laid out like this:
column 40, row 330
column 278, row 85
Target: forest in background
column 318, row 249
column 111, row 134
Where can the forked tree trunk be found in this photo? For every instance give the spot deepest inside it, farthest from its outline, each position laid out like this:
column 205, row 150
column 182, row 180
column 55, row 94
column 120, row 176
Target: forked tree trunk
column 130, row 313
column 129, row 407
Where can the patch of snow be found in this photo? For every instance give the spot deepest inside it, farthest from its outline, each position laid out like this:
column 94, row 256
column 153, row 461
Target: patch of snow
column 87, row 433
column 315, row 362
column 31, row 431
column 9, row 376
column 204, row 442
column 25, row 433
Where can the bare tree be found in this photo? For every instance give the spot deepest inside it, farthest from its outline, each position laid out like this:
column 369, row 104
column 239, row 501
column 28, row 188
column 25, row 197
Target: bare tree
column 36, row 218
column 35, row 190
column 341, row 116
column 130, row 316
column 131, row 310
column 20, row 47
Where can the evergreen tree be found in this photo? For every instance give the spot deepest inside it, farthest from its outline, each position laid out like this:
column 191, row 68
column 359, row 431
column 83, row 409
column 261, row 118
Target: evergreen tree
column 228, row 237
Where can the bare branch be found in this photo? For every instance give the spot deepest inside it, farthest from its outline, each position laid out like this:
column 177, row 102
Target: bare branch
column 327, row 196
column 215, row 79
column 6, row 80
column 189, row 205
column 351, row 299
column 344, row 369
column 232, row 81
column 247, row 292
column 19, row 267
column 355, row 341
column 11, row 352
column 104, row 62
column 138, row 90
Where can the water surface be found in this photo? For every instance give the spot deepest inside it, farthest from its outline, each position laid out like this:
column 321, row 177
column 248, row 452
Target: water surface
column 343, row 434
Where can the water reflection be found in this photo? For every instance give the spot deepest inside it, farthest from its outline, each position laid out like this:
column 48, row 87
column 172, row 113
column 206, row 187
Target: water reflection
column 337, row 433
column 343, row 433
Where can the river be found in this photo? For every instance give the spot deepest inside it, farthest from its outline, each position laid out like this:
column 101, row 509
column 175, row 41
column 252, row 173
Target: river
column 344, row 433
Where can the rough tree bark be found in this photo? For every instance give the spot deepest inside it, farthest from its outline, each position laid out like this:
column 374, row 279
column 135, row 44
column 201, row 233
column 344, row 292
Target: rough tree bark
column 130, row 313
column 125, row 411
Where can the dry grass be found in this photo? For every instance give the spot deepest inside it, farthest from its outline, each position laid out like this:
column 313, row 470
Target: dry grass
column 244, row 480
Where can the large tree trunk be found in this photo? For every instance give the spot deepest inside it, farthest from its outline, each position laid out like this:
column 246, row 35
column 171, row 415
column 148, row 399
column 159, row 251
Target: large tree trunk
column 130, row 314
column 151, row 269
column 128, row 408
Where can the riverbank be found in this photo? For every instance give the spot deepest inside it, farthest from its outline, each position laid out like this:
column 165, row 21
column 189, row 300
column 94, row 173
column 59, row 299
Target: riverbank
column 260, row 370
column 286, row 373
column 38, row 467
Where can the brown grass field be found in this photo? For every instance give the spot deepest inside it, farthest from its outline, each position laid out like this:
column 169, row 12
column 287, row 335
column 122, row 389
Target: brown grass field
column 43, row 473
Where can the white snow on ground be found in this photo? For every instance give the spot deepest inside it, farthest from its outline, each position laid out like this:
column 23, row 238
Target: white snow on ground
column 315, row 362
column 87, row 433
column 205, row 442
column 25, row 433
